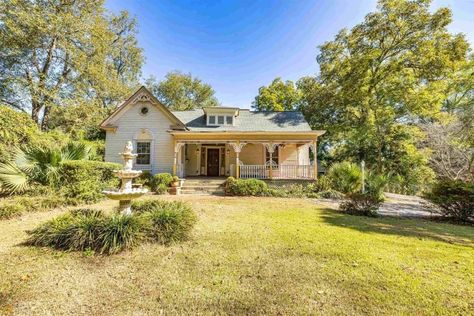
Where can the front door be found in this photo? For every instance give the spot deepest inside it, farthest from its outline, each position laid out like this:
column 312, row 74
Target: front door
column 213, row 162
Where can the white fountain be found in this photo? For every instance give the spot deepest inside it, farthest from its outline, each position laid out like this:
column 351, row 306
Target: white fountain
column 126, row 193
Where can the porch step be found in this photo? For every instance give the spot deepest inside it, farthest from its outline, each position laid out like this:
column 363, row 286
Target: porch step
column 202, row 192
column 203, row 186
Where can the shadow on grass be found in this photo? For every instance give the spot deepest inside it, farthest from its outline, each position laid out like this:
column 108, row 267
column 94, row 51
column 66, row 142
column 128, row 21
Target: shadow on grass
column 417, row 228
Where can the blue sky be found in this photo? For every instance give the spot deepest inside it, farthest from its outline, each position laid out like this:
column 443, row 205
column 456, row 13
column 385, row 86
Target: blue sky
column 238, row 46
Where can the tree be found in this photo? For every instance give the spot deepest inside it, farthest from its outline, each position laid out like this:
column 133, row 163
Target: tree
column 381, row 78
column 451, row 158
column 278, row 96
column 16, row 129
column 181, row 92
column 58, row 53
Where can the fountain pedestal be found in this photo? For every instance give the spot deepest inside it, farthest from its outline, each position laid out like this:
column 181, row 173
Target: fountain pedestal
column 126, row 193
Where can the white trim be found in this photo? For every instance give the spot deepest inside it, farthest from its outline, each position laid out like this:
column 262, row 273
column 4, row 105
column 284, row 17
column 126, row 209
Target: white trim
column 216, row 115
column 152, row 148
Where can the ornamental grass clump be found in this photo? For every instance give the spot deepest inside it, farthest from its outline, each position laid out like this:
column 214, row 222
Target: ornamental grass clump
column 92, row 230
column 168, row 223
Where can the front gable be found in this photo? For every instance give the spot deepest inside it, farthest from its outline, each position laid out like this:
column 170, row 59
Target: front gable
column 141, row 96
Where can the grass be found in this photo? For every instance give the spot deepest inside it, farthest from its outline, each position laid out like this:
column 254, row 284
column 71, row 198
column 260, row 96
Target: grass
column 251, row 256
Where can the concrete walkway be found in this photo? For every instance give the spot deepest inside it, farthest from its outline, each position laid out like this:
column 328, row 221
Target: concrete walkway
column 395, row 205
column 404, row 206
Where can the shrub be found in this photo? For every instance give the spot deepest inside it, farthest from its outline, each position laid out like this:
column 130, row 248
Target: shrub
column 246, row 187
column 323, row 183
column 91, row 230
column 361, row 204
column 368, row 202
column 161, row 189
column 375, row 185
column 118, row 232
column 85, row 180
column 88, row 229
column 16, row 129
column 144, row 179
column 16, row 206
column 454, row 199
column 168, row 222
column 11, row 210
column 330, row 194
column 345, row 177
column 140, row 206
column 160, row 178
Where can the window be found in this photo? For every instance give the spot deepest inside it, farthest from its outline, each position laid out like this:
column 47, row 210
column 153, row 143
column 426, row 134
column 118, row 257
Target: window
column 144, row 110
column 144, row 153
column 220, row 120
column 275, row 155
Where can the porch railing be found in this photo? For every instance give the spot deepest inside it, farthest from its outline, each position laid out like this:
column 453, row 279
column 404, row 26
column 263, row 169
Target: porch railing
column 278, row 172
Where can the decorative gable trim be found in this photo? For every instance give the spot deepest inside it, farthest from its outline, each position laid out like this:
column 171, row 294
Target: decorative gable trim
column 141, row 95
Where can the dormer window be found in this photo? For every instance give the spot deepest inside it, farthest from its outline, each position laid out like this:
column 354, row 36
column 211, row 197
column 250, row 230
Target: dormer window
column 218, row 120
column 221, row 116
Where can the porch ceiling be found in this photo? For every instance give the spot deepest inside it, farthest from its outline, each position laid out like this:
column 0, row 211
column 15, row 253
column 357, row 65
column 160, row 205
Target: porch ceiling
column 246, row 136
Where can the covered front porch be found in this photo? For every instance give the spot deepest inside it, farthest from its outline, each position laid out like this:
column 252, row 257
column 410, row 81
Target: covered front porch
column 246, row 155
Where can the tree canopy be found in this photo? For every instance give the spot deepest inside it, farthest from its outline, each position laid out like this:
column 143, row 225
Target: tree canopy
column 380, row 79
column 61, row 53
column 278, row 96
column 179, row 91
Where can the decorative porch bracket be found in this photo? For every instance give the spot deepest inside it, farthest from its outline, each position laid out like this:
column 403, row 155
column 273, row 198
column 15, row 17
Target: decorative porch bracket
column 271, row 147
column 177, row 149
column 237, row 149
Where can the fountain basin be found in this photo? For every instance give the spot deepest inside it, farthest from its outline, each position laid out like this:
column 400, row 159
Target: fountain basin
column 116, row 194
column 128, row 174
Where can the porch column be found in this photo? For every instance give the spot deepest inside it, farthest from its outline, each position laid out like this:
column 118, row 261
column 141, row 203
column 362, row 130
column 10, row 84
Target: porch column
column 237, row 149
column 271, row 149
column 198, row 158
column 177, row 148
column 314, row 149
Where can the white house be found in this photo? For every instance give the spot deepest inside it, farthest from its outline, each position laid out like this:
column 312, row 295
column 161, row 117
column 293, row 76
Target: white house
column 213, row 141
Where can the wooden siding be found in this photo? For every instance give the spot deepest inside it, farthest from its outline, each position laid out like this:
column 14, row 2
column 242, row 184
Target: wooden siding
column 129, row 126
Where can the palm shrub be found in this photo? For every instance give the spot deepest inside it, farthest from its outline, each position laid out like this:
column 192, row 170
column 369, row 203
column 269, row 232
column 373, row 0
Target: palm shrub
column 39, row 165
column 345, row 177
column 368, row 202
column 453, row 199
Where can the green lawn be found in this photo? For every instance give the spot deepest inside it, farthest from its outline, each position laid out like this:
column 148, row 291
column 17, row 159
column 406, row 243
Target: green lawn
column 252, row 256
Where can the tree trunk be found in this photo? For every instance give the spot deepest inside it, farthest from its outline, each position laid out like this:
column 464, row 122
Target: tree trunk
column 35, row 111
column 45, row 120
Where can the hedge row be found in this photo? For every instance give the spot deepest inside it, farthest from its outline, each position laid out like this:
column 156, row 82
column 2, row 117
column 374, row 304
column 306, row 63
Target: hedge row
column 81, row 182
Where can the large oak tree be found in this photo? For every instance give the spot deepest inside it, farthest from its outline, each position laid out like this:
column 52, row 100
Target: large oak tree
column 180, row 91
column 380, row 79
column 58, row 53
